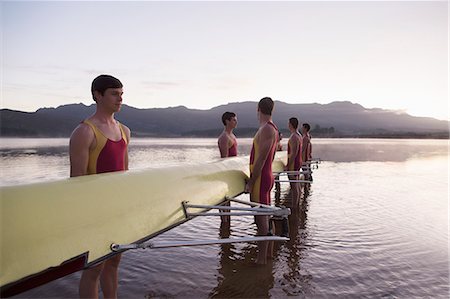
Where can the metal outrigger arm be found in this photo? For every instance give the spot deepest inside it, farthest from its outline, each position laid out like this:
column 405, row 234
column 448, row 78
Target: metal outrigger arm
column 255, row 209
column 156, row 245
column 293, row 181
column 293, row 172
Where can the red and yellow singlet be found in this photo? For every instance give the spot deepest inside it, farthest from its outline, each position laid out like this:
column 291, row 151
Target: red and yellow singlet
column 263, row 185
column 298, row 158
column 108, row 155
column 232, row 151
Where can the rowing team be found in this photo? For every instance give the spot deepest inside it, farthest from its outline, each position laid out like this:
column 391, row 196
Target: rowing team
column 100, row 144
column 265, row 143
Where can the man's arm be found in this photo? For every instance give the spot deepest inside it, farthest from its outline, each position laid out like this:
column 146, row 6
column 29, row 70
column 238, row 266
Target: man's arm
column 128, row 136
column 304, row 147
column 223, row 146
column 266, row 140
column 80, row 142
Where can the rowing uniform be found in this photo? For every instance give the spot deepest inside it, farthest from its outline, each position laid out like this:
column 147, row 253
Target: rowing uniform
column 232, row 151
column 108, row 155
column 263, row 185
column 298, row 158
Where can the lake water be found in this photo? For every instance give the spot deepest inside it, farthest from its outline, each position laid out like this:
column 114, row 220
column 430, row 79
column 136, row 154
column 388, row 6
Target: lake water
column 375, row 224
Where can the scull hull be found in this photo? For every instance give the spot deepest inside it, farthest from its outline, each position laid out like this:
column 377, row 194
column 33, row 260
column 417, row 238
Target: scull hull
column 55, row 228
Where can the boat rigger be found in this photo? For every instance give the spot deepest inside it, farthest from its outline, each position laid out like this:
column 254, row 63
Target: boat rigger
column 255, row 210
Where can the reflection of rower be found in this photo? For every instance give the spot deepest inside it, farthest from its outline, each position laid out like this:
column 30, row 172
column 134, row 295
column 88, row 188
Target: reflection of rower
column 289, row 254
column 238, row 276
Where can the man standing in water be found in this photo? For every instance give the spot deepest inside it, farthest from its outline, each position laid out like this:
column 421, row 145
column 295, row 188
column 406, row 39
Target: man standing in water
column 306, row 150
column 261, row 178
column 228, row 148
column 227, row 141
column 100, row 144
column 294, row 159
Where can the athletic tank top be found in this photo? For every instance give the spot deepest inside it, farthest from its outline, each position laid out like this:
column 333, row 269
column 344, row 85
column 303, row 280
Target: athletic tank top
column 232, row 151
column 108, row 155
column 267, row 168
column 298, row 158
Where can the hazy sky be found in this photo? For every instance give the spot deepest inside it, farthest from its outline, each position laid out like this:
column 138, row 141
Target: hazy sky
column 391, row 55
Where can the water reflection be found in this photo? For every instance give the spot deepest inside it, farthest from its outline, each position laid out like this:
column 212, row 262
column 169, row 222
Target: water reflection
column 238, row 276
column 236, row 264
column 292, row 278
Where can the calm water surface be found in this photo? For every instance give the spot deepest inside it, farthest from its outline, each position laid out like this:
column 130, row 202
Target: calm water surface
column 375, row 224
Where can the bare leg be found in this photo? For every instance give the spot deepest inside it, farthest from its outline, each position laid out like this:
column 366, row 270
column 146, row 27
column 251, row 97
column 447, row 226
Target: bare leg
column 225, row 218
column 295, row 194
column 292, row 194
column 89, row 282
column 270, row 243
column 299, row 193
column 295, row 191
column 110, row 278
column 262, row 224
column 269, row 250
column 277, row 189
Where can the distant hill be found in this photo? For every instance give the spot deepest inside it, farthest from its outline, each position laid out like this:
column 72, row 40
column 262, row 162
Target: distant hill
column 337, row 119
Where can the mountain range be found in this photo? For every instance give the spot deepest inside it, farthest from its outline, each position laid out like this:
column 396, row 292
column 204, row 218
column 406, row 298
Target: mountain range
column 336, row 119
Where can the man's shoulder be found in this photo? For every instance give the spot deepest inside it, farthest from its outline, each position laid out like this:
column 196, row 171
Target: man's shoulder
column 222, row 136
column 268, row 131
column 268, row 127
column 295, row 137
column 83, row 135
column 83, row 129
column 125, row 127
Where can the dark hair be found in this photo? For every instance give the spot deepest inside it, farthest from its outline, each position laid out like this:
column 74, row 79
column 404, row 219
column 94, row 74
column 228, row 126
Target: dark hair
column 307, row 127
column 265, row 105
column 294, row 122
column 103, row 82
column 227, row 116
